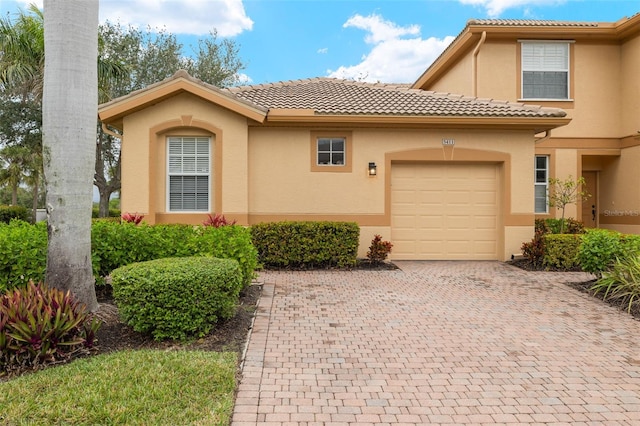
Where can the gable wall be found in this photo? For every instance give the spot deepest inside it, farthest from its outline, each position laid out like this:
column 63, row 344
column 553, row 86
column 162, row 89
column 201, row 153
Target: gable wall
column 144, row 157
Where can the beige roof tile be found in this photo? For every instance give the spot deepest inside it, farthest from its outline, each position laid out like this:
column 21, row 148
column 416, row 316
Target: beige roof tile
column 530, row 23
column 328, row 96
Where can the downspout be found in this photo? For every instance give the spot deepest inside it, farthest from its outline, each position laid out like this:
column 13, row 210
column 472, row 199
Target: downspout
column 110, row 132
column 547, row 135
column 474, row 64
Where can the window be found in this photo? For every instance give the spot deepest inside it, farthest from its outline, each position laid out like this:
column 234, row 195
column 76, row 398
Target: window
column 188, row 173
column 541, row 183
column 545, row 70
column 331, row 151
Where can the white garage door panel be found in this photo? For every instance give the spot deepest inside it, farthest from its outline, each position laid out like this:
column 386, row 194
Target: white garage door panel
column 444, row 211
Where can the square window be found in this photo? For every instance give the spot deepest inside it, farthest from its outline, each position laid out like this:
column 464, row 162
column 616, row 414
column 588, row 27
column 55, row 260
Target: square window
column 331, row 152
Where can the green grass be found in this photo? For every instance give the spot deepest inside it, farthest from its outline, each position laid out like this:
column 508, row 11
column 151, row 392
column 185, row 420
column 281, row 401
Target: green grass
column 145, row 387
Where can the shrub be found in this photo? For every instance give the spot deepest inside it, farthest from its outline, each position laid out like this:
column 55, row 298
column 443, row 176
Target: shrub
column 42, row 325
column 226, row 242
column 561, row 251
column 378, row 250
column 8, row 213
column 622, row 282
column 177, row 298
column 217, row 220
column 95, row 213
column 533, row 251
column 306, row 244
column 23, row 253
column 599, row 249
column 555, row 226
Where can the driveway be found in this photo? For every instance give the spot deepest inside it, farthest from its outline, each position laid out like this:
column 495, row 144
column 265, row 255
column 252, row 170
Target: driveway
column 437, row 343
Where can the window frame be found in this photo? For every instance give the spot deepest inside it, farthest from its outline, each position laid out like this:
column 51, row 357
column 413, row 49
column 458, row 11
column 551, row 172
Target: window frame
column 544, row 184
column 567, row 71
column 208, row 174
column 346, row 167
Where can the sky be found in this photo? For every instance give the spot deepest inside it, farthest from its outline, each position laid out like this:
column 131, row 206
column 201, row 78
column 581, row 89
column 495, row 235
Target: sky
column 391, row 41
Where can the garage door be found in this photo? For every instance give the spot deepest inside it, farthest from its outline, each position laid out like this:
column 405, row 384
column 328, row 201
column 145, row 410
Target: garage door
column 444, row 211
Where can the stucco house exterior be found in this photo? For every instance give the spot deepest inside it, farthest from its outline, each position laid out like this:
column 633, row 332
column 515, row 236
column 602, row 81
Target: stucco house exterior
column 592, row 71
column 441, row 175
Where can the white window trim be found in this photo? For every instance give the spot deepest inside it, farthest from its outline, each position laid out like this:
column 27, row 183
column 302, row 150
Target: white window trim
column 545, row 184
column 522, row 70
column 169, row 174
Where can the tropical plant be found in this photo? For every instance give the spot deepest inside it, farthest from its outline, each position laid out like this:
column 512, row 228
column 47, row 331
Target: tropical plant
column 70, row 107
column 378, row 250
column 218, row 220
column 622, row 282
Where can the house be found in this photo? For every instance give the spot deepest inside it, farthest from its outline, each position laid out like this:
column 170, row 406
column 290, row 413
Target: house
column 442, row 176
column 591, row 71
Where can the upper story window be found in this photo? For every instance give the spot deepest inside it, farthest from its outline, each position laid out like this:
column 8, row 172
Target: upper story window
column 545, row 70
column 541, row 183
column 188, row 173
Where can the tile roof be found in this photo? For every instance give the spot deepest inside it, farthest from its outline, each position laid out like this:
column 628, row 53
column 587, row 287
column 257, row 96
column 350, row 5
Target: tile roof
column 329, row 96
column 530, row 23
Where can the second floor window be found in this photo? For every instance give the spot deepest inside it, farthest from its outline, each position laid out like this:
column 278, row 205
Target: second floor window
column 545, row 70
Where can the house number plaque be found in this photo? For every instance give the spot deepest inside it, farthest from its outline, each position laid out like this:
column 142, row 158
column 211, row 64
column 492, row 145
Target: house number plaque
column 447, row 142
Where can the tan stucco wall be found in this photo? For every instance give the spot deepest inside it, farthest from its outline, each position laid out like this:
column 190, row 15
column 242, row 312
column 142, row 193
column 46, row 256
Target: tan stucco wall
column 620, row 193
column 458, row 77
column 630, row 82
column 283, row 186
column 495, row 68
column 183, row 115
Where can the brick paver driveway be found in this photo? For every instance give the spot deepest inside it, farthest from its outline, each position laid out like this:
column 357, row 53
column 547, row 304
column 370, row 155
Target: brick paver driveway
column 437, row 342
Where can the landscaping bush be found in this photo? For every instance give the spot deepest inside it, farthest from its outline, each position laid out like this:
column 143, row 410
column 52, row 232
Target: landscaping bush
column 561, row 251
column 226, row 242
column 378, row 250
column 23, row 253
column 599, row 250
column 119, row 244
column 42, row 325
column 553, row 226
column 177, row 298
column 8, row 213
column 306, row 244
column 533, row 251
column 622, row 282
column 95, row 212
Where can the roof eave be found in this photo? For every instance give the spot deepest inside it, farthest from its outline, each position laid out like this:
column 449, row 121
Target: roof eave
column 113, row 112
column 537, row 124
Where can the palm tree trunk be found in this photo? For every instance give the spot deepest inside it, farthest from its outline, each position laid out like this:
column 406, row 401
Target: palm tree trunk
column 70, row 102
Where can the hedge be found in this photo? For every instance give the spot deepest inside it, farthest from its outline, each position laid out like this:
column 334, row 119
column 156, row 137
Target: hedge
column 306, row 244
column 23, row 253
column 8, row 213
column 561, row 251
column 177, row 298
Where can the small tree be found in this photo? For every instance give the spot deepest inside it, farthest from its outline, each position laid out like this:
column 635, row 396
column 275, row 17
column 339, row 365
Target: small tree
column 567, row 191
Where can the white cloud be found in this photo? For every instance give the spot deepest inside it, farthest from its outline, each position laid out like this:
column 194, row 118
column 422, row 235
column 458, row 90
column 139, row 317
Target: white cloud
column 196, row 17
column 323, row 50
column 495, row 8
column 392, row 58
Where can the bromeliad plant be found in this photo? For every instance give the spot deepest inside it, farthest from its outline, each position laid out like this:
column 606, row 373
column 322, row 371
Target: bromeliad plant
column 132, row 218
column 218, row 220
column 40, row 325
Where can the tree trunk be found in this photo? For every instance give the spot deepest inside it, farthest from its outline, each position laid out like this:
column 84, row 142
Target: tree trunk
column 70, row 102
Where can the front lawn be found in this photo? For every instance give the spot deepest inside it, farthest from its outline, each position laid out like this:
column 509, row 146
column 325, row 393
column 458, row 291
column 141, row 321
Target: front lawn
column 176, row 387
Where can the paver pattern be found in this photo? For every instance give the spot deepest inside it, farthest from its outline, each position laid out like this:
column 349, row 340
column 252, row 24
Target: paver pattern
column 437, row 343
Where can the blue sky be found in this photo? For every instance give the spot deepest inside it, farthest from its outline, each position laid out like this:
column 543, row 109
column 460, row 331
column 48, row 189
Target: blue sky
column 372, row 40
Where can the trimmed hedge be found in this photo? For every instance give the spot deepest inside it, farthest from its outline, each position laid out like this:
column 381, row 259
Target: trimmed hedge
column 561, row 251
column 23, row 247
column 8, row 213
column 119, row 244
column 306, row 244
column 177, row 298
column 23, row 253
